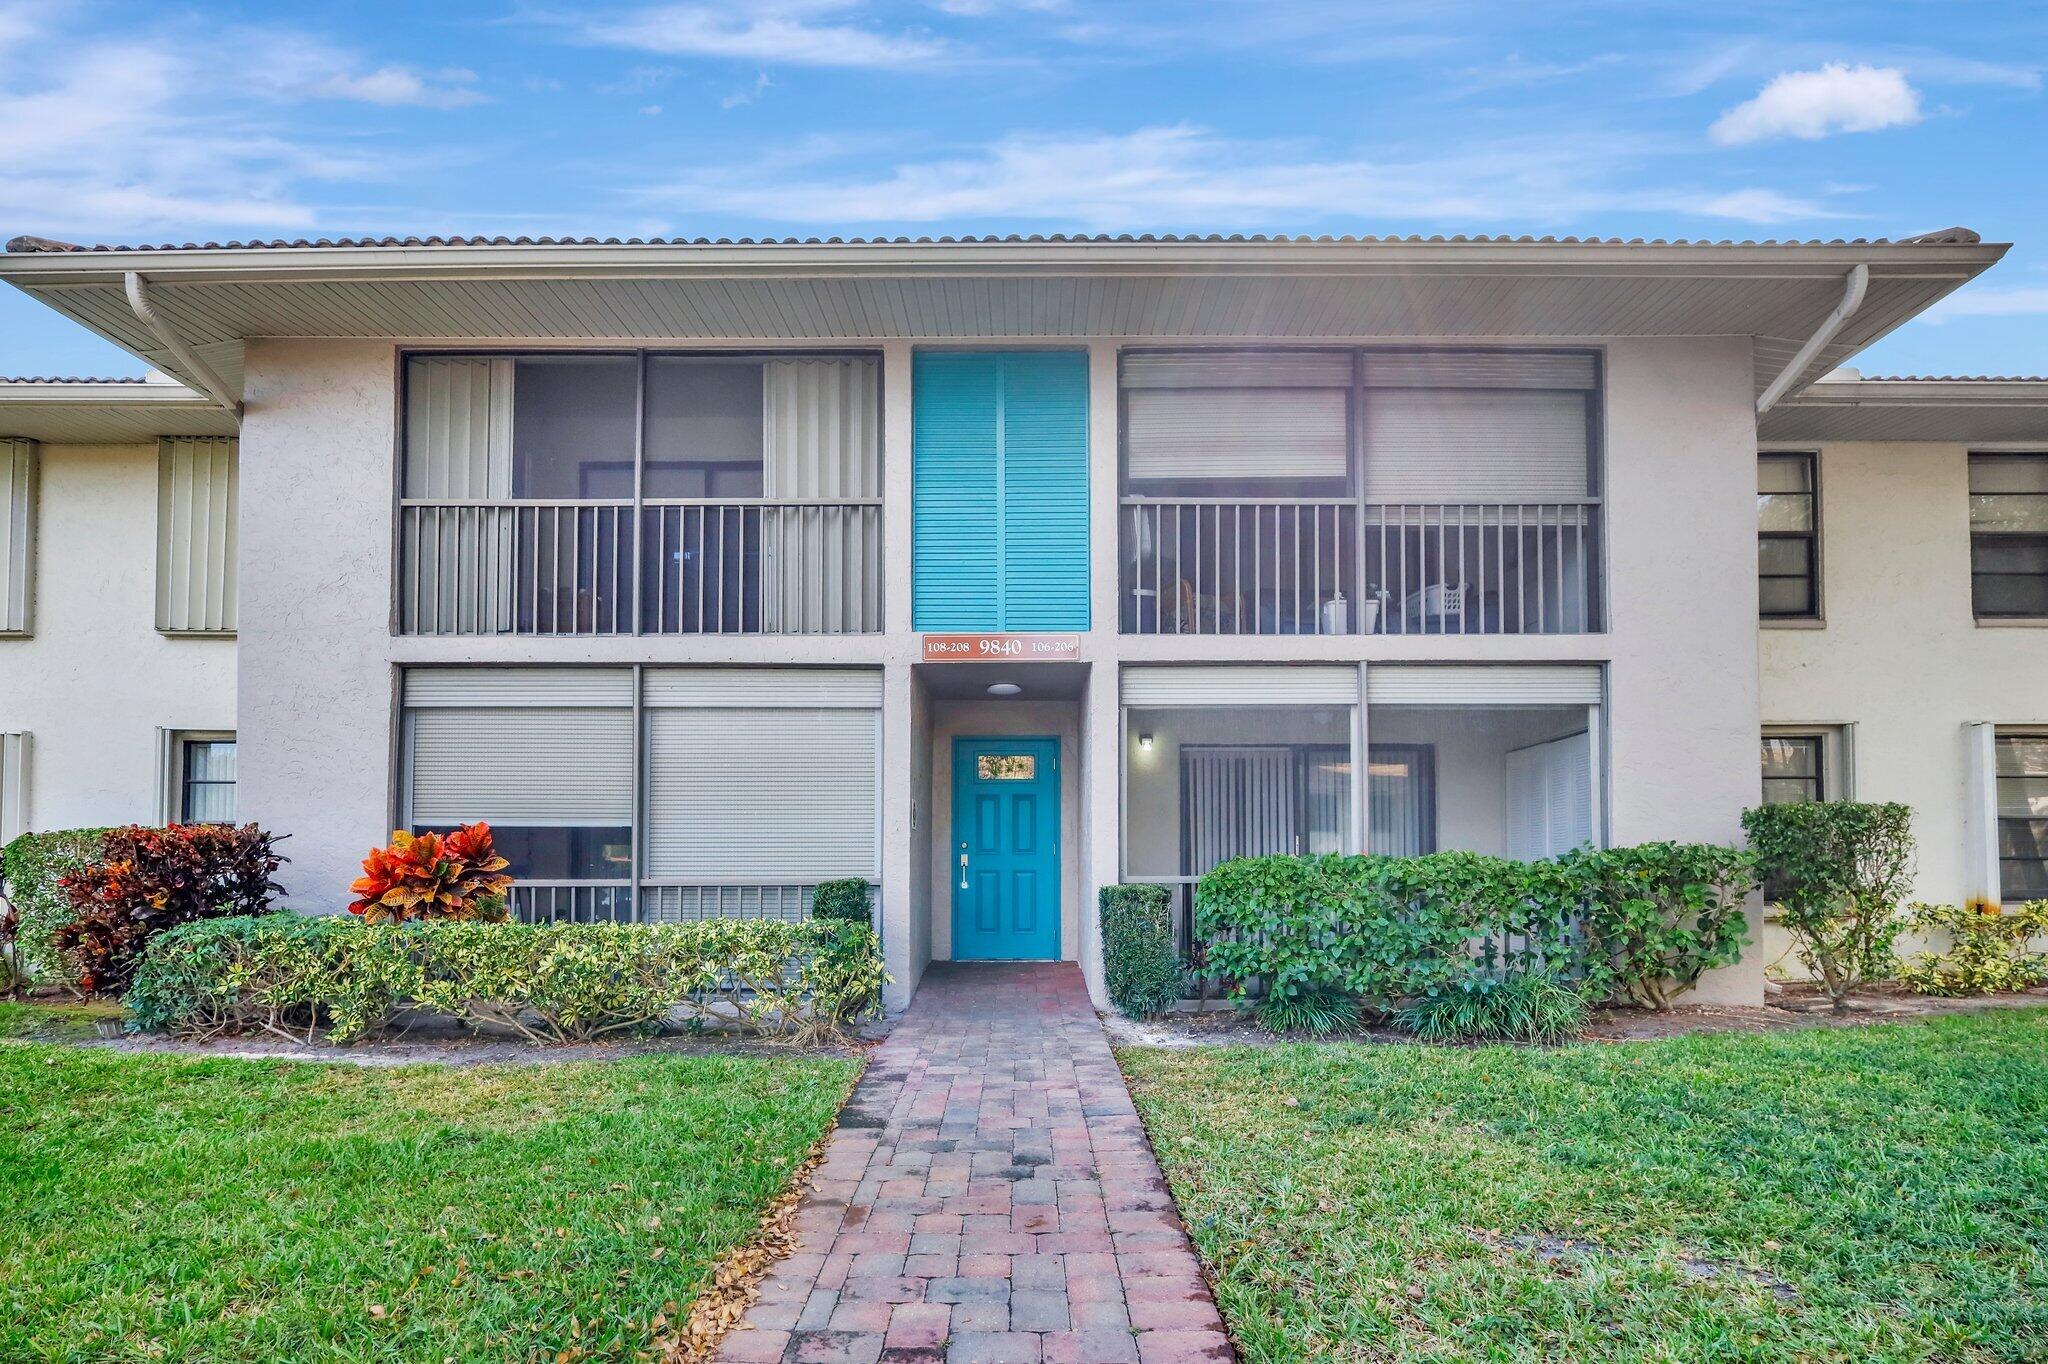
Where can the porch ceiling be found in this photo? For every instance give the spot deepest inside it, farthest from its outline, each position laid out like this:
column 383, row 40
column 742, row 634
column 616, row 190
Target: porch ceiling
column 971, row 681
column 1952, row 410
column 218, row 296
column 93, row 411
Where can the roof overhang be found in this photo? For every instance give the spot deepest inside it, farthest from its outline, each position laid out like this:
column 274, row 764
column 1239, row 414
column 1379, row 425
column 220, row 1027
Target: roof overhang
column 217, row 297
column 106, row 412
column 1966, row 411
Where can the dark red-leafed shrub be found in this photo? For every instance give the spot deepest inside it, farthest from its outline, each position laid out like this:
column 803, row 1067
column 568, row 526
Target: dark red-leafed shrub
column 148, row 880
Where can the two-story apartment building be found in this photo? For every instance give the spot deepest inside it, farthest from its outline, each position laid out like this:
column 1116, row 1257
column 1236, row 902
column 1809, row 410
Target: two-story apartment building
column 995, row 571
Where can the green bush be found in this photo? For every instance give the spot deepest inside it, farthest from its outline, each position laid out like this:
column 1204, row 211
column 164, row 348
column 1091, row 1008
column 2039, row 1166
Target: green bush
column 33, row 864
column 1659, row 915
column 1636, row 924
column 1988, row 952
column 1837, row 871
column 1140, row 968
column 1523, row 1006
column 848, row 900
column 550, row 982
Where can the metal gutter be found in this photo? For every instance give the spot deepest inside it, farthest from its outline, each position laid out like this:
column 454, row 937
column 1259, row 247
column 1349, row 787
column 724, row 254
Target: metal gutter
column 201, row 372
column 1854, row 287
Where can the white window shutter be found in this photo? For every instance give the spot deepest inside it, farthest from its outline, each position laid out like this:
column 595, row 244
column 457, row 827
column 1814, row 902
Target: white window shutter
column 198, row 488
column 17, row 535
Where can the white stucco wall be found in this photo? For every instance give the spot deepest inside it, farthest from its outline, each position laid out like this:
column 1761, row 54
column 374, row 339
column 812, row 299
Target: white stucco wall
column 316, row 678
column 95, row 684
column 1899, row 656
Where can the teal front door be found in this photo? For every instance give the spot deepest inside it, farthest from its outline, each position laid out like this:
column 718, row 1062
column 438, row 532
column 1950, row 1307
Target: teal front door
column 1006, row 850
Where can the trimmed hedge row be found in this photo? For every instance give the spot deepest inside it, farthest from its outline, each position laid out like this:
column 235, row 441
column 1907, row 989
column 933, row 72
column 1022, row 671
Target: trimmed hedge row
column 1638, row 924
column 32, row 865
column 289, row 973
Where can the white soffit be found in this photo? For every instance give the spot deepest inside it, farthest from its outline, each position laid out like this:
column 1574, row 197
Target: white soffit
column 1964, row 411
column 216, row 296
column 106, row 411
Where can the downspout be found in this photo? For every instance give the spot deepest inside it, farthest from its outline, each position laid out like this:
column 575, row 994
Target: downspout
column 1852, row 298
column 209, row 382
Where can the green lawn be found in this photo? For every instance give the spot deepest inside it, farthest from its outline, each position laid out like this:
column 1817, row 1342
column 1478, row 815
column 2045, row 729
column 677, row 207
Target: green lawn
column 1361, row 1202
column 172, row 1209
column 69, row 1021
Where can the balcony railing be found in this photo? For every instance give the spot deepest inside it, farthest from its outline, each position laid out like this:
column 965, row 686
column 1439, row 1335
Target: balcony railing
column 694, row 567
column 584, row 902
column 1290, row 566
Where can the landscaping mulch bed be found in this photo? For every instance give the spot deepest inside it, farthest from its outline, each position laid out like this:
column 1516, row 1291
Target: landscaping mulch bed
column 1794, row 1006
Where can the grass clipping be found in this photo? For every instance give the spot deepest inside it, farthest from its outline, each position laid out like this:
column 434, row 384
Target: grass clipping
column 736, row 1278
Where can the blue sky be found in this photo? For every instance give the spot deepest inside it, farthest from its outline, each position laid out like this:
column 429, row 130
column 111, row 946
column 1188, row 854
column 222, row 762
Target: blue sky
column 131, row 122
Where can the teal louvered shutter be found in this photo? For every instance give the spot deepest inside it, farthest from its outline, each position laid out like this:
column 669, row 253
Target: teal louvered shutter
column 954, row 525
column 1045, row 491
column 1000, row 480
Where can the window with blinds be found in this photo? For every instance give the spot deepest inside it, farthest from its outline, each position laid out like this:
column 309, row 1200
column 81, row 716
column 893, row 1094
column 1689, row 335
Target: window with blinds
column 17, row 535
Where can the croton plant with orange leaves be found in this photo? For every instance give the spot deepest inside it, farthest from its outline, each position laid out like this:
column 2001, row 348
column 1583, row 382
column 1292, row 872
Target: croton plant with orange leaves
column 456, row 875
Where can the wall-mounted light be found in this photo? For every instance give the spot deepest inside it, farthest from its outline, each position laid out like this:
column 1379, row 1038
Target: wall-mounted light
column 1003, row 689
column 1144, row 743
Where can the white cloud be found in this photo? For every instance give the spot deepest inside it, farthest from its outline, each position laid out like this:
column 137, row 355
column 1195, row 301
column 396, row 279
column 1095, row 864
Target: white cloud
column 749, row 95
column 1761, row 206
column 105, row 138
column 1189, row 178
column 2028, row 302
column 796, row 32
column 1816, row 104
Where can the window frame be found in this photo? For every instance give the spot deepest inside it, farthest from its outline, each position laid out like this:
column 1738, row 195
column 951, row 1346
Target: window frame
column 640, row 498
column 2000, row 819
column 175, row 796
column 2039, row 538
column 1815, row 614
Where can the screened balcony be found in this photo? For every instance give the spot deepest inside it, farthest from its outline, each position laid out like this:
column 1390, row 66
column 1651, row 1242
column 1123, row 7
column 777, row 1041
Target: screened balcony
column 640, row 494
column 1340, row 492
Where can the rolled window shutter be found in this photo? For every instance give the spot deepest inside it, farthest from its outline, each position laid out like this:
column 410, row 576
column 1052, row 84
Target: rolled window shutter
column 1231, row 433
column 1480, row 369
column 1464, row 445
column 17, row 535
column 1241, row 685
column 765, row 688
column 771, row 795
column 1510, row 684
column 520, row 746
column 198, row 487
column 1237, row 369
column 538, row 766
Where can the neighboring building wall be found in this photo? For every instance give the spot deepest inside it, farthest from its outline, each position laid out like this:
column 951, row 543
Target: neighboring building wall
column 95, row 685
column 1899, row 655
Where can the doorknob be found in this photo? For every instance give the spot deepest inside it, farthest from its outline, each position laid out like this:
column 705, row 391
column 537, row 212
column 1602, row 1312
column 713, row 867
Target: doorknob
column 963, row 866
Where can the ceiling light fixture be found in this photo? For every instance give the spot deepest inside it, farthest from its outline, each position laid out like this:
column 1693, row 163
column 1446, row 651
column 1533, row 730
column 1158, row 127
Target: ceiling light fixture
column 1003, row 689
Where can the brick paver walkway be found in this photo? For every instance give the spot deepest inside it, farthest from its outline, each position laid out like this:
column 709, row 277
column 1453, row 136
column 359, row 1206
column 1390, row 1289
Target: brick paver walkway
column 988, row 1196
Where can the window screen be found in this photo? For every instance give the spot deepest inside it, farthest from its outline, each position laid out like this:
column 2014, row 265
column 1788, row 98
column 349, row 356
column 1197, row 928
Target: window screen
column 2009, row 536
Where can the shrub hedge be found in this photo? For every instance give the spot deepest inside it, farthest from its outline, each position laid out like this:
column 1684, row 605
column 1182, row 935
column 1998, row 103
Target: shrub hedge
column 33, row 865
column 1987, row 953
column 290, row 974
column 1635, row 924
column 1838, row 872
column 147, row 880
column 1140, row 968
column 848, row 900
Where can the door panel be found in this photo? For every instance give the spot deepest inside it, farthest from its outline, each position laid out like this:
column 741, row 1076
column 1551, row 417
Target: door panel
column 1006, row 827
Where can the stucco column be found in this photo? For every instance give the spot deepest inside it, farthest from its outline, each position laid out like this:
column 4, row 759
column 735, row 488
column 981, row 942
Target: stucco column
column 315, row 696
column 896, row 466
column 1101, row 811
column 1684, row 712
column 900, row 936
